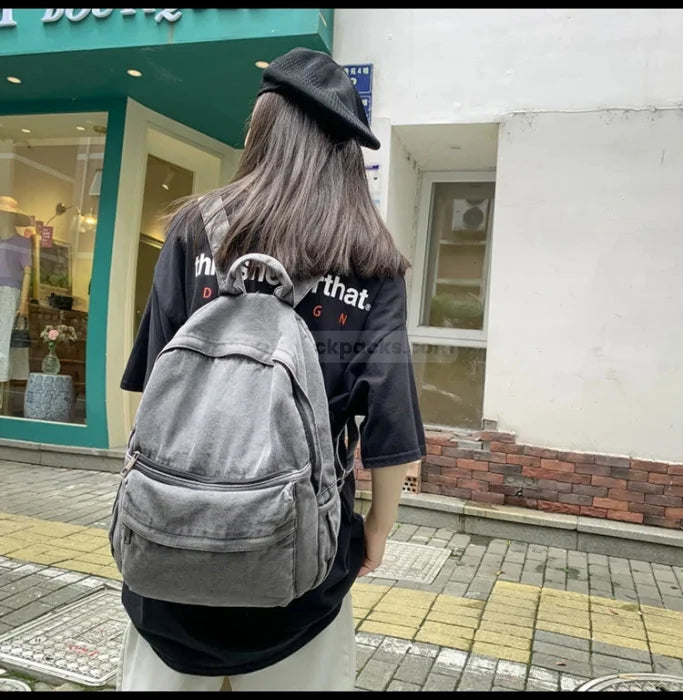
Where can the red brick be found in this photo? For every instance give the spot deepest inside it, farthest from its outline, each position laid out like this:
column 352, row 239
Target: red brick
column 593, row 469
column 506, row 469
column 486, row 456
column 674, row 513
column 673, row 490
column 488, row 497
column 584, row 490
column 612, row 461
column 566, row 477
column 625, row 516
column 430, row 488
column 524, row 460
column 455, row 473
column 438, row 437
column 457, row 492
column 433, row 469
column 661, row 522
column 507, row 489
column 522, row 502
column 645, row 487
column 626, row 495
column 668, row 501
column 458, row 452
column 610, row 504
column 576, row 499
column 491, row 477
column 646, row 508
column 649, row 466
column 473, row 484
column 675, row 469
column 593, row 512
column 433, row 449
column 472, row 464
column 494, row 436
column 441, row 461
column 628, row 474
column 540, row 494
column 577, row 457
column 441, row 480
column 554, row 485
column 608, row 481
column 507, row 447
column 540, row 452
column 558, row 466
column 666, row 479
column 555, row 507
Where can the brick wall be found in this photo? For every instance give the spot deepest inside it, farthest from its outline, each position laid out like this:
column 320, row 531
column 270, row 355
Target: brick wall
column 491, row 467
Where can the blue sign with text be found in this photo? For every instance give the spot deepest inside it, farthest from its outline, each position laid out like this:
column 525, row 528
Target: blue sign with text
column 361, row 77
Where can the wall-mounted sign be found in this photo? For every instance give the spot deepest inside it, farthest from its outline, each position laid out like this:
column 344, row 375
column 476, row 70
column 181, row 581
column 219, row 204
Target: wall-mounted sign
column 46, row 233
column 361, row 77
column 169, row 15
column 374, row 181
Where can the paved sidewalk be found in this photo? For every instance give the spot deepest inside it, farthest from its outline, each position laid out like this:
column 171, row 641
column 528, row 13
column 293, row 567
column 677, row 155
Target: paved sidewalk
column 496, row 614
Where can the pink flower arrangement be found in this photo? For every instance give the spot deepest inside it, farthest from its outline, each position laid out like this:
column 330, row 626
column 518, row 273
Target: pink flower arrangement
column 58, row 334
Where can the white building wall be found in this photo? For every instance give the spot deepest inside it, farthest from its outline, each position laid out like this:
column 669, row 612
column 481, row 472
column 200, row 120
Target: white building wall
column 586, row 316
column 441, row 66
column 584, row 329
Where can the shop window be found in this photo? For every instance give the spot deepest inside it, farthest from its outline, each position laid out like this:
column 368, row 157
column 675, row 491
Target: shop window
column 50, row 179
column 451, row 384
column 449, row 296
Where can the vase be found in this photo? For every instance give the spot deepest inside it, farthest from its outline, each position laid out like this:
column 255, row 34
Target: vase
column 50, row 362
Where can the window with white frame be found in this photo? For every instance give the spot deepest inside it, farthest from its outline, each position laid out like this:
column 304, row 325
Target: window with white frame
column 448, row 305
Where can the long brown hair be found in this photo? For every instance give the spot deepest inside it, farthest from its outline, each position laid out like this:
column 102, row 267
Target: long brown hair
column 301, row 197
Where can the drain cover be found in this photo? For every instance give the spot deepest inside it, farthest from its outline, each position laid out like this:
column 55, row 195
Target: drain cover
column 80, row 642
column 13, row 684
column 630, row 682
column 411, row 562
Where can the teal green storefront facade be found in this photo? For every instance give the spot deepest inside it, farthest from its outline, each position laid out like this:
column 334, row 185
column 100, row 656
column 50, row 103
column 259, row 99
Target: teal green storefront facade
column 198, row 68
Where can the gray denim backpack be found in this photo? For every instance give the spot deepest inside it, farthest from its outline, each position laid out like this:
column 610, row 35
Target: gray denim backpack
column 230, row 492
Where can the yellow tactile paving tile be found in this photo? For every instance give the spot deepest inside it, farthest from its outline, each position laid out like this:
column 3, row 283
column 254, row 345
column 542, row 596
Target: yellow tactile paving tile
column 501, row 627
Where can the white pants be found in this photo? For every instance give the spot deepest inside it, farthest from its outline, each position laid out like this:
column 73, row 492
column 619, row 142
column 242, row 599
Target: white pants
column 327, row 662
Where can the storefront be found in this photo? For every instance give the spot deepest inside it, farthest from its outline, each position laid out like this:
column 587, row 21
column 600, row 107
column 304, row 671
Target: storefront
column 106, row 117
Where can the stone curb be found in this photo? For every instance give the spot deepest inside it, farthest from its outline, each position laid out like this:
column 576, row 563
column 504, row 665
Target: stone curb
column 581, row 533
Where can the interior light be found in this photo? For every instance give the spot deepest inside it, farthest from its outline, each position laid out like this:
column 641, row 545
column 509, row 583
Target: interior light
column 26, row 131
column 90, row 218
column 80, row 128
column 262, row 64
column 135, row 73
column 13, row 79
column 166, row 184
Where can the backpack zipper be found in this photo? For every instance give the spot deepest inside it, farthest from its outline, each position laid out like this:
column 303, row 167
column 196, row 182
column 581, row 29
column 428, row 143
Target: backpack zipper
column 172, row 476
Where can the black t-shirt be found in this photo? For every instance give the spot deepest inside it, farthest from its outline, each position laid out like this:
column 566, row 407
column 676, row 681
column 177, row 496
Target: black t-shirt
column 359, row 326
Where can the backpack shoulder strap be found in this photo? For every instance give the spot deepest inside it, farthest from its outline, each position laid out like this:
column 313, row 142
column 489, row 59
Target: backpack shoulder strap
column 216, row 225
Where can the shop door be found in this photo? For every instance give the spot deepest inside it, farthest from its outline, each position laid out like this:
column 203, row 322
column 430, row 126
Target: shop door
column 174, row 163
column 165, row 183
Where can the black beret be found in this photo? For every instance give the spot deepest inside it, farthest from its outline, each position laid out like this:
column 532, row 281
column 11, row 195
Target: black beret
column 323, row 89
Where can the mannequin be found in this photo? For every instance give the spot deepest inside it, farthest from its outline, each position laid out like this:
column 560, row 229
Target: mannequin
column 15, row 281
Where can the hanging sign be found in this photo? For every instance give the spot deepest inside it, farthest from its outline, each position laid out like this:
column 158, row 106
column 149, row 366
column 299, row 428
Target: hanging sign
column 46, row 236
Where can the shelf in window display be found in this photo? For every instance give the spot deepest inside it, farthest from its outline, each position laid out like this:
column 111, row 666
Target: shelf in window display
column 458, row 282
column 444, row 241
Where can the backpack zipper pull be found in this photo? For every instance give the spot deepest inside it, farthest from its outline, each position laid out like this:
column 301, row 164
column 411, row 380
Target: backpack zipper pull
column 130, row 463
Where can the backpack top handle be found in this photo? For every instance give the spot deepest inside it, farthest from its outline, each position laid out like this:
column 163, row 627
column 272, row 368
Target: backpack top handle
column 235, row 278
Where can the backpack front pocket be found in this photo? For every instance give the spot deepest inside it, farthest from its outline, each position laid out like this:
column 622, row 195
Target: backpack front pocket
column 220, row 544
